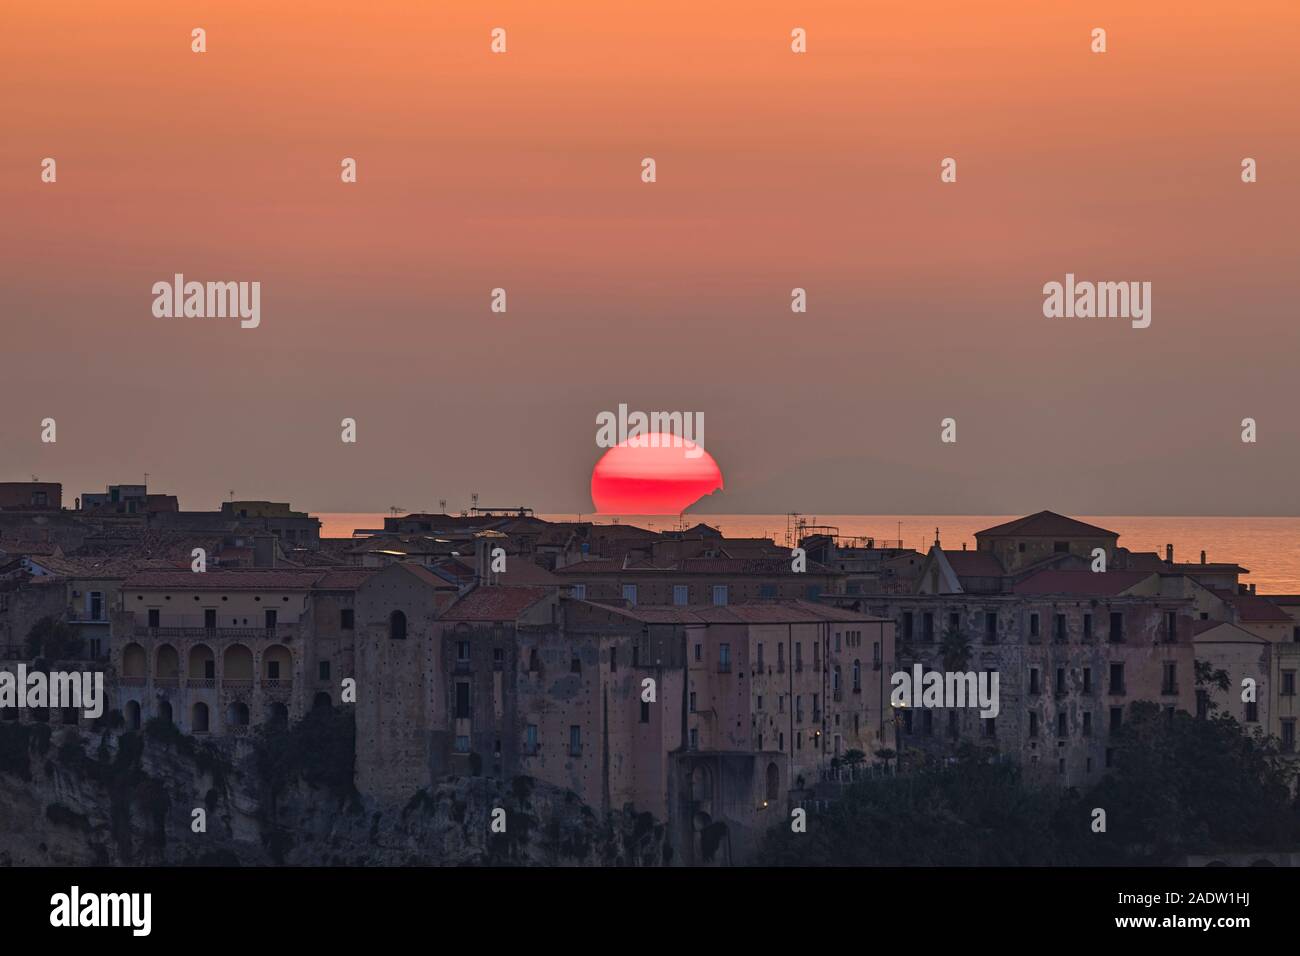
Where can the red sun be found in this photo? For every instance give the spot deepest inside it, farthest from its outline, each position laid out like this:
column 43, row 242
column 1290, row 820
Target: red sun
column 648, row 476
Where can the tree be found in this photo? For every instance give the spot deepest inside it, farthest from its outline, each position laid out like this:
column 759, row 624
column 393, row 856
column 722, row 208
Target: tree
column 955, row 649
column 53, row 640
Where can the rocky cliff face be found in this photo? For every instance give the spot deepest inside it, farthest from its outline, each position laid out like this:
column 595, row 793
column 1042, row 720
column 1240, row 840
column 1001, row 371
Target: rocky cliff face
column 72, row 797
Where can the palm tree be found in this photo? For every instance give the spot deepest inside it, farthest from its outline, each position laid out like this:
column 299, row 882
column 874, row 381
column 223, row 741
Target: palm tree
column 955, row 649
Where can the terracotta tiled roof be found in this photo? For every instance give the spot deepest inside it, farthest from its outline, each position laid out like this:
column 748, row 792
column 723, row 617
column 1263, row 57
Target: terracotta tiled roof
column 1098, row 583
column 242, row 580
column 762, row 612
column 1046, row 524
column 503, row 604
column 974, row 564
column 1252, row 609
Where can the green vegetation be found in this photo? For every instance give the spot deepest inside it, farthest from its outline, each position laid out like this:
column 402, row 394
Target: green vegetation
column 1180, row 785
column 52, row 640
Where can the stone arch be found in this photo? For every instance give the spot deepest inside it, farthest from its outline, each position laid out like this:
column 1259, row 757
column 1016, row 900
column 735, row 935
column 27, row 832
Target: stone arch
column 134, row 660
column 199, row 719
column 165, row 710
column 237, row 663
column 167, row 663
column 277, row 663
column 201, row 657
column 278, row 713
column 131, row 713
column 237, row 714
column 322, row 700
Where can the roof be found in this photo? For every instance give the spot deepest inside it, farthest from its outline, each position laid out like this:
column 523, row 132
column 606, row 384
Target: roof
column 250, row 579
column 503, row 604
column 738, row 566
column 760, row 612
column 974, row 564
column 1094, row 583
column 1252, row 609
column 1046, row 524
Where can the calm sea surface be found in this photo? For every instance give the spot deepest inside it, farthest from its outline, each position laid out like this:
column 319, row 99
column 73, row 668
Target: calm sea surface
column 1268, row 547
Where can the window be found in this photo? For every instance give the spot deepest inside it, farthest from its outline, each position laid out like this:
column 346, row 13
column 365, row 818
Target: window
column 1202, row 704
column 907, row 625
column 760, row 655
column 954, row 621
column 1060, row 547
column 907, row 720
column 1252, row 712
column 1087, row 723
column 1059, row 633
column 1033, row 724
column 397, row 626
column 498, row 658
column 1033, row 680
column 1033, row 626
column 990, row 627
column 578, row 592
column 613, row 660
column 1060, row 681
column 1171, row 627
column 1169, row 678
column 724, row 658
column 1288, row 683
column 645, row 711
column 462, row 651
column 1116, row 679
column 695, row 738
column 95, row 604
column 720, row 595
column 575, row 664
column 857, row 677
column 927, row 627
column 534, row 660
column 1117, row 627
column 1087, row 680
column 323, row 670
column 629, row 594
column 760, row 702
column 1116, row 721
column 530, row 739
column 927, row 723
column 780, row 658
column 347, row 619
column 699, row 652
column 462, row 744
column 575, row 739
column 692, row 702
column 1087, row 627
column 989, row 726
column 1288, row 735
column 767, row 590
column 1062, row 725
column 462, row 700
column 798, row 657
column 681, row 595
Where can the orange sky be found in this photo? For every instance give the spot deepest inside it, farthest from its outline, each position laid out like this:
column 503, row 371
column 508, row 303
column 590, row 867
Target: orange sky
column 775, row 171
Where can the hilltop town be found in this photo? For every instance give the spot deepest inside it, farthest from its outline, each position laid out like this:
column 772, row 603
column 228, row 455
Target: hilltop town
column 712, row 682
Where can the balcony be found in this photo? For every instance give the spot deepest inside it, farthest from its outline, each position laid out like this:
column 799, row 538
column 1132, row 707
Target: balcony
column 277, row 683
column 281, row 632
column 170, row 683
column 201, row 683
column 724, row 667
column 131, row 681
column 837, row 695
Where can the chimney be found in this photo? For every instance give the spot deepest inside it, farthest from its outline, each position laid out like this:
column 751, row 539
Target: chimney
column 1169, row 553
column 1252, row 589
column 1202, row 557
column 482, row 560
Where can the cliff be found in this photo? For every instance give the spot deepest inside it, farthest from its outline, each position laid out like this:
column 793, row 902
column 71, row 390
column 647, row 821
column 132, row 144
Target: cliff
column 74, row 797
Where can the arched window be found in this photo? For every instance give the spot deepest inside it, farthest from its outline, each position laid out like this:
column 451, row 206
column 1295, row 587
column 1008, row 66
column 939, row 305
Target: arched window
column 165, row 711
column 397, row 626
column 237, row 714
column 857, row 676
column 199, row 719
column 321, row 700
column 773, row 782
column 132, row 715
column 835, row 679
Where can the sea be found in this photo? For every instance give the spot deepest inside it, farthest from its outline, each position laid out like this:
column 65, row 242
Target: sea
column 1269, row 548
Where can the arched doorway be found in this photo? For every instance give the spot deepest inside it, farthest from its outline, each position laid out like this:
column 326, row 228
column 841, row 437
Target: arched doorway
column 237, row 714
column 322, row 700
column 132, row 713
column 199, row 719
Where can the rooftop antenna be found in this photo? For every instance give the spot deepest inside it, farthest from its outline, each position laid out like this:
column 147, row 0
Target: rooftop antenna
column 442, row 506
column 395, row 509
column 232, row 494
column 474, row 499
